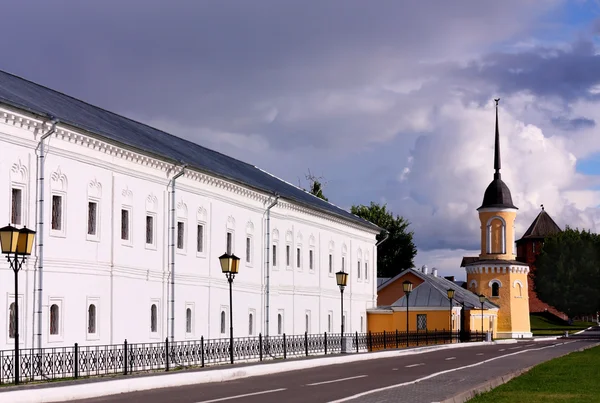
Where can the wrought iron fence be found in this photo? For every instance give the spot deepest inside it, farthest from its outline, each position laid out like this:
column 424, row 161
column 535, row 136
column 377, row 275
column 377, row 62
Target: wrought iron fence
column 85, row 361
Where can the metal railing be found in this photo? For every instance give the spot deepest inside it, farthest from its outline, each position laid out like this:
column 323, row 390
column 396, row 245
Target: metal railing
column 85, row 361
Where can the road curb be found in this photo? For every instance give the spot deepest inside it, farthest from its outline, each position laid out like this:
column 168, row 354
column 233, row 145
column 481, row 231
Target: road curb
column 501, row 380
column 46, row 393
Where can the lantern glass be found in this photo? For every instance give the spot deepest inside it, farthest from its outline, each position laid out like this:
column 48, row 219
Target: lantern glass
column 342, row 278
column 9, row 237
column 482, row 298
column 450, row 293
column 226, row 261
column 25, row 242
column 235, row 264
column 407, row 286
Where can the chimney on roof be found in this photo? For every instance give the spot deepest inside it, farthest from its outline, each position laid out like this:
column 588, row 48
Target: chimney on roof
column 434, row 272
column 449, row 278
column 424, row 269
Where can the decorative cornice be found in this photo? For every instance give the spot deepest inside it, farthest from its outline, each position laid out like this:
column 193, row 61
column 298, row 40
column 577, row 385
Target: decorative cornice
column 97, row 143
column 499, row 268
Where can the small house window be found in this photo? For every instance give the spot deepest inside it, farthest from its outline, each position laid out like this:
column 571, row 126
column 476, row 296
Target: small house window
column 16, row 207
column 125, row 224
column 200, row 238
column 92, row 216
column 92, row 319
column 180, row 234
column 421, row 322
column 188, row 320
column 274, row 255
column 223, row 324
column 149, row 230
column 56, row 213
column 54, row 319
column 153, row 318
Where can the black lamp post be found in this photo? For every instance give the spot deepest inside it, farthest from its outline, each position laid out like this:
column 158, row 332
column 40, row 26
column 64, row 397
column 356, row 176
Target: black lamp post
column 342, row 280
column 230, row 265
column 450, row 293
column 407, row 287
column 482, row 300
column 18, row 243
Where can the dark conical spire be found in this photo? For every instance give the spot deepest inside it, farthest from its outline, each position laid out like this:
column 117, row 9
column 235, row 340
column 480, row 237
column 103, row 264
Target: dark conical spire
column 497, row 163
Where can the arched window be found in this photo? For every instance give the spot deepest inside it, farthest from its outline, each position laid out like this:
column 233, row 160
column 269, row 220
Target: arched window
column 223, row 322
column 495, row 290
column 250, row 324
column 188, row 320
column 92, row 319
column 54, row 319
column 306, row 320
column 519, row 290
column 11, row 323
column 153, row 318
column 496, row 236
column 279, row 324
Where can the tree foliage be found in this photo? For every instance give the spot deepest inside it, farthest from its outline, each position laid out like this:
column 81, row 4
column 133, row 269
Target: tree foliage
column 398, row 251
column 316, row 187
column 567, row 274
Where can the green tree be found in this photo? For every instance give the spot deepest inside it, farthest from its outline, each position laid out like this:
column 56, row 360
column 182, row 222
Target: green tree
column 316, row 187
column 567, row 272
column 398, row 251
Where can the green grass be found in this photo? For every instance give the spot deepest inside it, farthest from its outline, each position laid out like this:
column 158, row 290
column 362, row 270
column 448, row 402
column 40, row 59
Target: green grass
column 549, row 325
column 569, row 379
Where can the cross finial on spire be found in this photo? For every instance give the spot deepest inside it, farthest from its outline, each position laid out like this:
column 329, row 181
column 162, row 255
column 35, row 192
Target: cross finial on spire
column 497, row 163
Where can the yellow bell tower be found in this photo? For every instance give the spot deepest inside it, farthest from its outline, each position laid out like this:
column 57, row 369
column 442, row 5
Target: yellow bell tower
column 496, row 273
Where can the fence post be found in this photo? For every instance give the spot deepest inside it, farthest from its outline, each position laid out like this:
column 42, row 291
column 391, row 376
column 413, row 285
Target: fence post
column 125, row 357
column 396, row 338
column 284, row 347
column 357, row 341
column 370, row 341
column 435, row 336
column 202, row 351
column 260, row 345
column 76, row 361
column 417, row 337
column 384, row 340
column 167, row 354
column 306, row 343
column 325, row 343
column 426, row 337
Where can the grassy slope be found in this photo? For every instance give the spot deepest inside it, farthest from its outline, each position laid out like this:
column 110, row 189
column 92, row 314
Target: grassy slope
column 549, row 325
column 572, row 379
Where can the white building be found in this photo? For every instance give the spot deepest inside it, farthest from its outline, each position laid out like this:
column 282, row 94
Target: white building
column 104, row 250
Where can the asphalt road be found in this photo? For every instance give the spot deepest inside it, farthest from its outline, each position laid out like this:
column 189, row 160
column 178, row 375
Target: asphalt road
column 447, row 373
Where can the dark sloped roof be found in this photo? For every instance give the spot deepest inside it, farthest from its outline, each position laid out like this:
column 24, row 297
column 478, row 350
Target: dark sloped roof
column 381, row 280
column 541, row 227
column 466, row 260
column 497, row 195
column 34, row 98
column 432, row 292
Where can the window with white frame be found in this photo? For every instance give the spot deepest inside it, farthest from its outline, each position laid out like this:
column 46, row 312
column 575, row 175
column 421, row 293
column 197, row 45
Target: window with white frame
column 310, row 260
column 57, row 213
column 180, row 235
column 330, row 263
column 153, row 318
column 366, row 271
column 362, row 323
column 188, row 320
column 150, row 240
column 274, row 255
column 329, row 322
column 56, row 320
column 280, row 329
column 11, row 321
column 307, row 322
column 92, row 219
column 248, row 249
column 358, row 269
column 251, row 323
column 287, row 255
column 200, row 238
column 343, row 263
column 298, row 257
column 421, row 322
column 91, row 314
column 125, row 224
column 229, row 243
column 223, row 321
column 16, row 208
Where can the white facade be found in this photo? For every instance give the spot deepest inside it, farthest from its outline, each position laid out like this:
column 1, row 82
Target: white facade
column 88, row 263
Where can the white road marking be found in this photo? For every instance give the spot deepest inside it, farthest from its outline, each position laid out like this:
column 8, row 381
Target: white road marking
column 514, row 348
column 479, row 354
column 529, row 345
column 450, row 358
column 394, row 369
column 502, row 349
column 336, row 380
column 414, row 365
column 245, row 395
column 345, row 399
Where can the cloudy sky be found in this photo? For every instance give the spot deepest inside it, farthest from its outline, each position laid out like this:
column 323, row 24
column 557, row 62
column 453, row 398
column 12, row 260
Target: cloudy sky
column 389, row 101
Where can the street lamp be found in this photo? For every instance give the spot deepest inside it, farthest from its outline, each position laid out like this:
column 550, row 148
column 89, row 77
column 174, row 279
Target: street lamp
column 482, row 300
column 230, row 265
column 342, row 279
column 450, row 293
column 16, row 242
column 407, row 287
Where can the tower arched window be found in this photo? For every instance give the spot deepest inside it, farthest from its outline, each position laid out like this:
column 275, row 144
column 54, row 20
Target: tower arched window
column 495, row 290
column 496, row 236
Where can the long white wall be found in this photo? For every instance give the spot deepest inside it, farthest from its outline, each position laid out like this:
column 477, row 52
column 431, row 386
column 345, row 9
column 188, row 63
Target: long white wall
column 123, row 279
